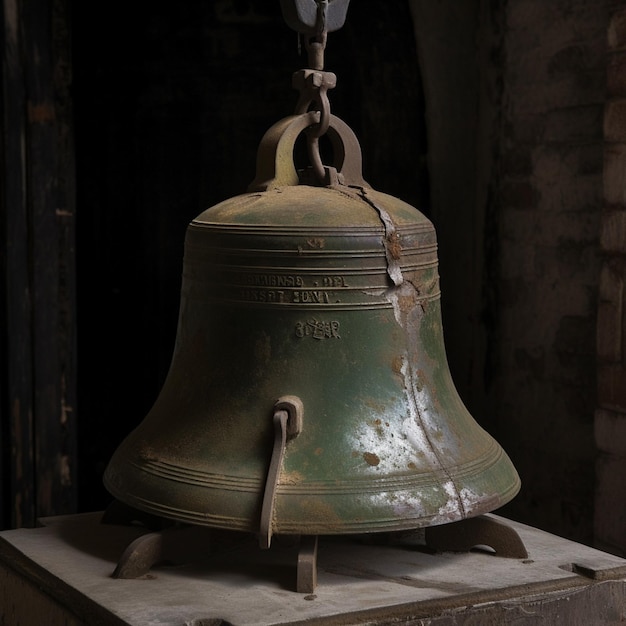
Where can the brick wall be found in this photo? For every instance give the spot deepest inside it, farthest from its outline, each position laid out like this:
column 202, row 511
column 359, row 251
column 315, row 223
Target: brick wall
column 526, row 168
column 547, row 224
column 610, row 418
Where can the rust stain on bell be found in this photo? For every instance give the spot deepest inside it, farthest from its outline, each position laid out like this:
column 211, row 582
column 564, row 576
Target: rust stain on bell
column 371, row 458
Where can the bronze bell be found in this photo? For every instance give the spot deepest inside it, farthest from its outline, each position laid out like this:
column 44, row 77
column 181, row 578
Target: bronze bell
column 309, row 391
column 320, row 305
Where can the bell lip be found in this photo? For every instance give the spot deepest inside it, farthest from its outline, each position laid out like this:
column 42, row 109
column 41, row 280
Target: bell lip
column 354, row 526
column 306, row 528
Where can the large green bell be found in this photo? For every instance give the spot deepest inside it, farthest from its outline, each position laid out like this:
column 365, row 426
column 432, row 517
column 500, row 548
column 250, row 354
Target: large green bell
column 320, row 304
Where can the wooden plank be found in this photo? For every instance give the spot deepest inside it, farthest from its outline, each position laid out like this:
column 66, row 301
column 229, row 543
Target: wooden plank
column 17, row 446
column 52, row 427
column 38, row 280
column 41, row 173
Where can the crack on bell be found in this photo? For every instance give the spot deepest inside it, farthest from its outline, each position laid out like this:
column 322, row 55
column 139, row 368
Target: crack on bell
column 391, row 241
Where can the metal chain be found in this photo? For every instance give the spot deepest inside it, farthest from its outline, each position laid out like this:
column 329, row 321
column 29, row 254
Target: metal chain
column 314, row 87
column 313, row 19
column 317, row 44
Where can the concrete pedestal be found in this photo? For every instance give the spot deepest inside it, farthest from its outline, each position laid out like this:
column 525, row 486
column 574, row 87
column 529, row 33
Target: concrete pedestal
column 61, row 574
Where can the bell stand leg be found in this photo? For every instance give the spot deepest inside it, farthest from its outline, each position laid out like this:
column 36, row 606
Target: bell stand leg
column 482, row 530
column 165, row 543
column 179, row 545
column 459, row 536
column 175, row 546
column 307, row 564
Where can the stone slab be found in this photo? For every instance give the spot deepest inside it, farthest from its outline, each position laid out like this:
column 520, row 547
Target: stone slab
column 70, row 559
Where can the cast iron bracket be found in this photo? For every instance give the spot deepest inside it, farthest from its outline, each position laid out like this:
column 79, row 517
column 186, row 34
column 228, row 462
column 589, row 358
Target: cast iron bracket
column 179, row 545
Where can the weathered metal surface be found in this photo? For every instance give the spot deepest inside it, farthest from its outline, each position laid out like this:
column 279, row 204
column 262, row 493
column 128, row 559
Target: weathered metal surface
column 313, row 87
column 330, row 294
column 276, row 169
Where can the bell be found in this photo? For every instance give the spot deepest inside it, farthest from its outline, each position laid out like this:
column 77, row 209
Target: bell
column 309, row 391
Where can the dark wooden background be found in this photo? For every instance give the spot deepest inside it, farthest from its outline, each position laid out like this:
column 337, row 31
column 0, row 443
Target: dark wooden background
column 120, row 127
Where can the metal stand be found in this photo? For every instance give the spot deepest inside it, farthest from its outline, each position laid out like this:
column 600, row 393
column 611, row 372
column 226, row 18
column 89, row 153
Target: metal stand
column 307, row 564
column 178, row 545
column 170, row 544
column 475, row 532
